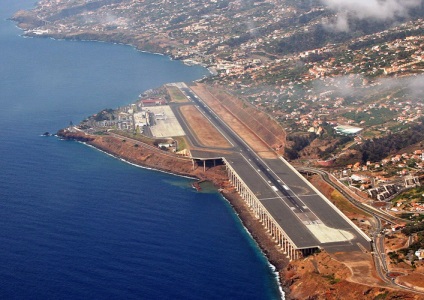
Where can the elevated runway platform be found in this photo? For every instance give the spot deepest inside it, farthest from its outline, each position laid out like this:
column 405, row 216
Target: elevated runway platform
column 318, row 225
column 296, row 214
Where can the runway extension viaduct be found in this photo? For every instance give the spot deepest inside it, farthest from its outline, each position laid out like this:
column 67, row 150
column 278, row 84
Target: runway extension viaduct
column 299, row 218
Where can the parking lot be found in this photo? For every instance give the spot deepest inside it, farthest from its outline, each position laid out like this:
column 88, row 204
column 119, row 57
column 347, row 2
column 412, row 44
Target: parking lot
column 166, row 124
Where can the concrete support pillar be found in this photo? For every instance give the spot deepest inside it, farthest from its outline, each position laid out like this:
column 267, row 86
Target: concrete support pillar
column 279, row 238
column 261, row 214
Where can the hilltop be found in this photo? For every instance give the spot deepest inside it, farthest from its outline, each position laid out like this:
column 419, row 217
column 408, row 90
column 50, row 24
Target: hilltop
column 345, row 82
column 311, row 65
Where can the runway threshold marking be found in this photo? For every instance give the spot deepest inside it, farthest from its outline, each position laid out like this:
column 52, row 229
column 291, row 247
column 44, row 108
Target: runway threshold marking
column 272, row 198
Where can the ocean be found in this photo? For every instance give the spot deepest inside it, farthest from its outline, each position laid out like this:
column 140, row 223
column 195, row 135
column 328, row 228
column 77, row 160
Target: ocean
column 76, row 223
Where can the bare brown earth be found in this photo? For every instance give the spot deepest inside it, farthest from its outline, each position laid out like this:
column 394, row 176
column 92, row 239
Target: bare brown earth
column 309, row 278
column 405, row 273
column 205, row 132
column 146, row 155
column 341, row 275
column 321, row 276
column 415, row 280
column 396, row 241
column 256, row 128
column 316, row 147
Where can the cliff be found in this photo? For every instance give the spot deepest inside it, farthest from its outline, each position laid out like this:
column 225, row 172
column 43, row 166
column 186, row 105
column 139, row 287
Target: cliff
column 320, row 276
column 145, row 155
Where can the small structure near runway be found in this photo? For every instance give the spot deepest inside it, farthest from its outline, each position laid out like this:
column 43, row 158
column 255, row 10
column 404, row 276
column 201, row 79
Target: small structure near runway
column 152, row 102
column 166, row 124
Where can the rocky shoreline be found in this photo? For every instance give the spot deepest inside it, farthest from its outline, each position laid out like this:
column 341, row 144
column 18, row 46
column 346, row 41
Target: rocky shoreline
column 315, row 282
column 145, row 157
column 316, row 277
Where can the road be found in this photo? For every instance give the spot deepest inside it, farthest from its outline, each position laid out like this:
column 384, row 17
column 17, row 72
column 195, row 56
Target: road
column 286, row 195
column 373, row 211
column 379, row 254
column 246, row 152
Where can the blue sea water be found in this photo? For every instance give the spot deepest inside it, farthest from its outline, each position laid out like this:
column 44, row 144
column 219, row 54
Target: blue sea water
column 78, row 224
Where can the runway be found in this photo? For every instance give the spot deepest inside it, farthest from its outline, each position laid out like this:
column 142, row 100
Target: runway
column 307, row 217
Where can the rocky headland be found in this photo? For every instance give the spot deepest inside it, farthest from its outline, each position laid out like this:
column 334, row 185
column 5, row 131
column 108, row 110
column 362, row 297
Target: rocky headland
column 271, row 59
column 320, row 276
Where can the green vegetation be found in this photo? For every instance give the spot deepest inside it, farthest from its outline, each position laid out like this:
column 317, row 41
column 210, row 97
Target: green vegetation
column 412, row 217
column 371, row 134
column 331, row 278
column 181, row 143
column 106, row 114
column 417, row 244
column 412, row 194
column 299, row 142
column 394, row 257
column 135, row 136
column 344, row 205
column 100, row 132
column 176, row 95
column 381, row 296
column 371, row 117
column 379, row 148
column 413, row 228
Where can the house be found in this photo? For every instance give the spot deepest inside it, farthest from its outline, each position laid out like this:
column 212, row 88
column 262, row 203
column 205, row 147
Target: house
column 152, row 102
column 398, row 226
column 420, row 254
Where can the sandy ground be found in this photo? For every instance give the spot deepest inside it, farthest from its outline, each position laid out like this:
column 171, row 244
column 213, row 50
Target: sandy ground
column 205, row 132
column 361, row 266
column 415, row 280
column 245, row 133
column 320, row 276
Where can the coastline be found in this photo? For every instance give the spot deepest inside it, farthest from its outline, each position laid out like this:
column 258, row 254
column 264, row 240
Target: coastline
column 275, row 258
column 281, row 285
column 320, row 276
column 230, row 193
column 187, row 62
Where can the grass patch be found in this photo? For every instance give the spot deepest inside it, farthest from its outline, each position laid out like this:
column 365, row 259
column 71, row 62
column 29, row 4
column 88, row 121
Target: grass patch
column 331, row 278
column 371, row 134
column 175, row 94
column 344, row 205
column 100, row 133
column 137, row 137
column 412, row 194
column 181, row 142
column 381, row 296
